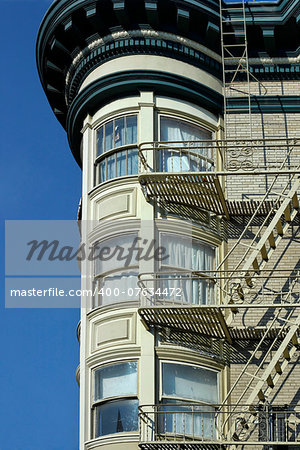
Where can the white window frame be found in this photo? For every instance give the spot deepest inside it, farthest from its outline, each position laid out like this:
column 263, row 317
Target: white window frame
column 107, row 400
column 189, row 121
column 115, row 150
column 193, row 240
column 166, row 270
column 183, row 363
column 185, row 401
column 98, row 278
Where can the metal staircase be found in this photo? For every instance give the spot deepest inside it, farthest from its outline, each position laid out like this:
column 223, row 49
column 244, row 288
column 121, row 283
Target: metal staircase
column 262, row 381
column 269, row 371
column 264, row 243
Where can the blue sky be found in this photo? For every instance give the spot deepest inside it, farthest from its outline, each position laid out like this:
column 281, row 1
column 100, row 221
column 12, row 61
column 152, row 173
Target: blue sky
column 39, row 180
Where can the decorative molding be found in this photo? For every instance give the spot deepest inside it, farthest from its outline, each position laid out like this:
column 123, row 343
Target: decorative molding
column 121, row 353
column 114, row 182
column 173, row 353
column 278, row 71
column 133, row 43
column 115, row 204
column 113, row 325
column 109, row 229
column 115, row 307
column 106, row 441
column 266, row 104
column 127, row 83
column 194, row 231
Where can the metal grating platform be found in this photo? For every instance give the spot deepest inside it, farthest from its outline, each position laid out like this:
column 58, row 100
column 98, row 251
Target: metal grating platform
column 205, row 320
column 180, row 445
column 198, row 190
column 253, row 333
column 248, row 207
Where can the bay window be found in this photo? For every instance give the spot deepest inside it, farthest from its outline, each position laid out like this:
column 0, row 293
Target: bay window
column 190, row 150
column 115, row 403
column 115, row 270
column 188, row 396
column 117, row 153
column 185, row 256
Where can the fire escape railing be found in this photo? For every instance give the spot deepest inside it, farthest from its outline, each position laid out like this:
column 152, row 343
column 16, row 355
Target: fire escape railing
column 223, row 157
column 195, row 423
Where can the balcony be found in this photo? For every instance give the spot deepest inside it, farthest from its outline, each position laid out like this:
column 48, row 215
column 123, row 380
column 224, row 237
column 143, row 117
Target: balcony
column 186, row 177
column 206, row 426
column 186, row 305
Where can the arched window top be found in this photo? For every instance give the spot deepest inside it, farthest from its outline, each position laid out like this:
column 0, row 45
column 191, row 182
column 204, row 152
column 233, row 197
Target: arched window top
column 175, row 129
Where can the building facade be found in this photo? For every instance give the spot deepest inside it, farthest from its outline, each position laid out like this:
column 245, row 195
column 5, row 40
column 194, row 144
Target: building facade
column 185, row 118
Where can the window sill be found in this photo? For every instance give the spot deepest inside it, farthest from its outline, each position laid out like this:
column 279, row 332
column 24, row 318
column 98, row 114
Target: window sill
column 110, row 439
column 113, row 181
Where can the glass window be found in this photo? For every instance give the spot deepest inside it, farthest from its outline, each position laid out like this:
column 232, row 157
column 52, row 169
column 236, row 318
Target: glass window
column 131, row 129
column 121, row 164
column 100, row 141
column 119, row 414
column 189, row 382
column 119, row 132
column 117, row 417
column 132, row 162
column 116, row 380
column 179, row 130
column 182, row 387
column 187, row 255
column 115, row 271
column 115, row 253
column 108, row 136
column 189, row 151
column 115, row 135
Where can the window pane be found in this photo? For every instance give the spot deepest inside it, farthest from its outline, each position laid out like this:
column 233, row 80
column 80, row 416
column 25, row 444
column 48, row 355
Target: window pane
column 111, row 167
column 108, row 136
column 131, row 130
column 119, row 287
column 100, row 141
column 179, row 130
column 115, row 253
column 190, row 382
column 132, row 162
column 187, row 254
column 117, row 417
column 187, row 420
column 102, row 172
column 184, row 159
column 121, row 164
column 183, row 288
column 116, row 380
column 119, row 132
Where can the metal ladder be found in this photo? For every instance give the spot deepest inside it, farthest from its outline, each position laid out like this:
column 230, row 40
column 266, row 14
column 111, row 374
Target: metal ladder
column 235, row 61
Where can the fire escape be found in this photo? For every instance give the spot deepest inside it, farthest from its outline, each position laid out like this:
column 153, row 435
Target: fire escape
column 193, row 179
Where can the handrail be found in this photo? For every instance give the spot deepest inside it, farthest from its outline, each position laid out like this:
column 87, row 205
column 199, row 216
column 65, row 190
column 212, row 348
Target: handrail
column 220, row 149
column 217, row 279
column 197, row 422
